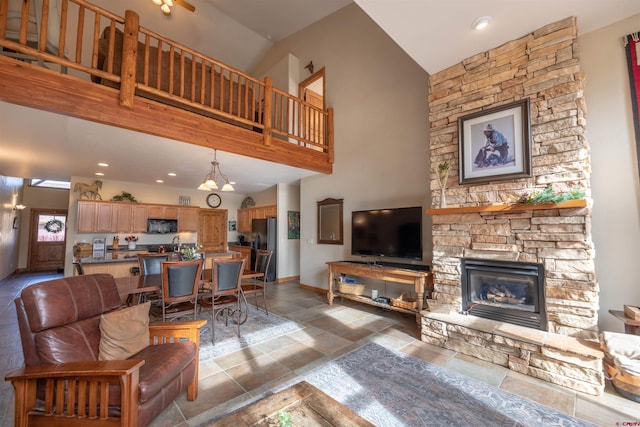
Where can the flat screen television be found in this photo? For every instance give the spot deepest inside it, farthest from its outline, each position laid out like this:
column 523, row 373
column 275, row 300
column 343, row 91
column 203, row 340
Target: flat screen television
column 393, row 233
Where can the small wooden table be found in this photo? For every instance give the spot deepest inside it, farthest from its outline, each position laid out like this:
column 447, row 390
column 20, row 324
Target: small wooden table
column 303, row 402
column 631, row 326
column 418, row 279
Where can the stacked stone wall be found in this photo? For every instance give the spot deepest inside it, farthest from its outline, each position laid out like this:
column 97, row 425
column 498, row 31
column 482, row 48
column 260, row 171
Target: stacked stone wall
column 544, row 67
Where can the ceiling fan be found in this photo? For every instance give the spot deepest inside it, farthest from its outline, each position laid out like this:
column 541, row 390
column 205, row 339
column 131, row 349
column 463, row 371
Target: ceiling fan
column 166, row 5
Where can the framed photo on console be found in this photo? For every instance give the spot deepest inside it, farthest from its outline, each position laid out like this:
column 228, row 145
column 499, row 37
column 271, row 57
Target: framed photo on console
column 495, row 144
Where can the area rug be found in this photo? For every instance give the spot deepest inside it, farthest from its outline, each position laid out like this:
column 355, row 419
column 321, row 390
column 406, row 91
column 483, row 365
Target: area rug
column 258, row 328
column 389, row 388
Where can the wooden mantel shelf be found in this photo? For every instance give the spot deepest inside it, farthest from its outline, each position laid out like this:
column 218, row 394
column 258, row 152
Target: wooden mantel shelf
column 510, row 207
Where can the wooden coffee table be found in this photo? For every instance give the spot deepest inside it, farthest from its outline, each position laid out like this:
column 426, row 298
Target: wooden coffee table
column 306, row 405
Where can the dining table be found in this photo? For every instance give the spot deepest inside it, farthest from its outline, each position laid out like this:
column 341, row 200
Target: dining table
column 135, row 289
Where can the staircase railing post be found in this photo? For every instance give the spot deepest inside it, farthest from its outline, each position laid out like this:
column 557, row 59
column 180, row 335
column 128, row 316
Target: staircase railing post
column 129, row 57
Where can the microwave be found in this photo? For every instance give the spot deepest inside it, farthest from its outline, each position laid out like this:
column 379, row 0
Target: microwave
column 161, row 226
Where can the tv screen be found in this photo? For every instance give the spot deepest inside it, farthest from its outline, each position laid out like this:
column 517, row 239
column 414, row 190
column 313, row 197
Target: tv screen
column 394, row 233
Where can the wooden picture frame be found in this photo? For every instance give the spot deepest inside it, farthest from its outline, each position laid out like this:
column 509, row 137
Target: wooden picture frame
column 330, row 224
column 495, row 144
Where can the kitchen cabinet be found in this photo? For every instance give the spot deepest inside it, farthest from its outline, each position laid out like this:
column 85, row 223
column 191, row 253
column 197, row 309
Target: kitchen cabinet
column 86, row 217
column 95, row 216
column 271, row 211
column 123, row 213
column 116, row 269
column 212, row 230
column 163, row 212
column 245, row 216
column 188, row 218
column 245, row 251
column 105, row 217
column 139, row 216
column 244, row 221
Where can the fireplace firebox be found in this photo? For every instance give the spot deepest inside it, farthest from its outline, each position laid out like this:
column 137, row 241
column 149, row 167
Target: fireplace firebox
column 506, row 291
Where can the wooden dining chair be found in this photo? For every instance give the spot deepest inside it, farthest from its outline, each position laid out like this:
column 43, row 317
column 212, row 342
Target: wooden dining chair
column 180, row 283
column 226, row 299
column 150, row 263
column 258, row 285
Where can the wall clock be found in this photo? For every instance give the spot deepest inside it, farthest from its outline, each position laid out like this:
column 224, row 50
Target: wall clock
column 214, row 200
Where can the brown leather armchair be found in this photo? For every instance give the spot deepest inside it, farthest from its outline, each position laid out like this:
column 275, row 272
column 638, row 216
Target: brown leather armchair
column 64, row 383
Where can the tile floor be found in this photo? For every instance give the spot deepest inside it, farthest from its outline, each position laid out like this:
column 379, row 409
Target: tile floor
column 329, row 331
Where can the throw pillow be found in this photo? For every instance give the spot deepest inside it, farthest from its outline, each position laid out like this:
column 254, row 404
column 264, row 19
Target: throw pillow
column 124, row 332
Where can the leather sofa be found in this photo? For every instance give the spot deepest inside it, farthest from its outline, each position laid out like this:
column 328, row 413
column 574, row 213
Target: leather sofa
column 64, row 383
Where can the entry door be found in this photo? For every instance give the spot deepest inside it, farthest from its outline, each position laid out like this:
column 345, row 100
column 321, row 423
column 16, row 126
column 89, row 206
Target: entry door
column 212, row 230
column 47, row 239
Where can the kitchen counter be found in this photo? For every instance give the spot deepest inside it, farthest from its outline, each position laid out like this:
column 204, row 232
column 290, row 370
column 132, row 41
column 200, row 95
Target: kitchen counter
column 132, row 256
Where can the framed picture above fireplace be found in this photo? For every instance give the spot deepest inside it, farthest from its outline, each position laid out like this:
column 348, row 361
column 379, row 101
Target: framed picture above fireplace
column 495, row 144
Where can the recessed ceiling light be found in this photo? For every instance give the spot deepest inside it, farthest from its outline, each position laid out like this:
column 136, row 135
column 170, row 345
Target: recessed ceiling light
column 104, row 165
column 171, row 174
column 159, row 181
column 99, row 174
column 481, row 23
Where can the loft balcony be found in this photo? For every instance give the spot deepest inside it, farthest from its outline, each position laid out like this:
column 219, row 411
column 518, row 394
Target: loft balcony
column 83, row 61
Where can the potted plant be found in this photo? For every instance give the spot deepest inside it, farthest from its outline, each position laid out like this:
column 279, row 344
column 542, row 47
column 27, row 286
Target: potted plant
column 191, row 252
column 131, row 241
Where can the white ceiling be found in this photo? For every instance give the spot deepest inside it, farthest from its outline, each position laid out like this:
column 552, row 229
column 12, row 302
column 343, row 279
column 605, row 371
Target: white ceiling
column 435, row 33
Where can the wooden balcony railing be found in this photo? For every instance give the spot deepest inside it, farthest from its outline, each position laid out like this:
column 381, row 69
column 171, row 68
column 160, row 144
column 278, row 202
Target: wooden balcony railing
column 83, row 40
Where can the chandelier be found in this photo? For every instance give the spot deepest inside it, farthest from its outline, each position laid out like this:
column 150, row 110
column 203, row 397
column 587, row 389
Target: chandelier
column 165, row 5
column 215, row 175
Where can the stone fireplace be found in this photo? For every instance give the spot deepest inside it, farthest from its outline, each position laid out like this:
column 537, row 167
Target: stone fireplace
column 511, row 292
column 483, row 222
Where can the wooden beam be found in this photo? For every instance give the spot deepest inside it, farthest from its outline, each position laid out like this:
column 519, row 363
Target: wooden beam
column 507, row 207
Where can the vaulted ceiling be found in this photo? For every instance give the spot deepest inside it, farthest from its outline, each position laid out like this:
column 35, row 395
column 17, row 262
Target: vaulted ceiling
column 435, row 33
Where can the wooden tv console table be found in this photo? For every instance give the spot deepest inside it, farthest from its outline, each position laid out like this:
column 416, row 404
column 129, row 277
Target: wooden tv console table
column 417, row 278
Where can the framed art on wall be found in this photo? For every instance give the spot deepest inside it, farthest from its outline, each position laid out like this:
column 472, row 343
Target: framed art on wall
column 293, row 225
column 495, row 144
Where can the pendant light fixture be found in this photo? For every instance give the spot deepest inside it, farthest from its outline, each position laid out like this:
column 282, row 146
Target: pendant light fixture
column 215, row 175
column 166, row 5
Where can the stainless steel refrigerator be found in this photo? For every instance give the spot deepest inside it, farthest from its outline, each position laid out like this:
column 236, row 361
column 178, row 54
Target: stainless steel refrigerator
column 265, row 236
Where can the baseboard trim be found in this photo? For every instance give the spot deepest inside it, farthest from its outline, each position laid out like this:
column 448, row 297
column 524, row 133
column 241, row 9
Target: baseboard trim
column 287, row 279
column 313, row 289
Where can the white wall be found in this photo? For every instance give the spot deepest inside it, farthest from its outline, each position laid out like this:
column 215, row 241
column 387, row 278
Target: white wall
column 10, row 194
column 381, row 132
column 288, row 259
column 615, row 185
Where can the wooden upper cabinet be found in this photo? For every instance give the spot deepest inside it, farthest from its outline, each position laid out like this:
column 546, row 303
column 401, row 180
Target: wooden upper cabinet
column 188, row 218
column 86, row 216
column 105, row 217
column 123, row 217
column 271, row 211
column 139, row 218
column 244, row 221
column 245, row 216
column 163, row 212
